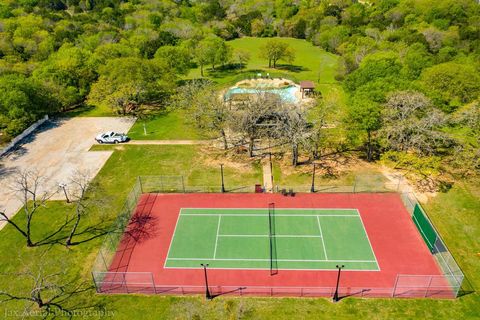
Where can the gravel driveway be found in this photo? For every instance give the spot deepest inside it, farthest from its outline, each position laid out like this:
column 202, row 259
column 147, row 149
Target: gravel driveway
column 56, row 150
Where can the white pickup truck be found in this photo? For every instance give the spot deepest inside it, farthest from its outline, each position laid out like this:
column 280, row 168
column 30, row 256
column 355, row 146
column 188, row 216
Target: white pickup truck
column 111, row 137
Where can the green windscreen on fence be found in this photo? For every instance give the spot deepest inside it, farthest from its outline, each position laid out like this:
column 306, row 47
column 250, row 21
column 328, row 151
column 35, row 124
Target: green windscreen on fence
column 426, row 230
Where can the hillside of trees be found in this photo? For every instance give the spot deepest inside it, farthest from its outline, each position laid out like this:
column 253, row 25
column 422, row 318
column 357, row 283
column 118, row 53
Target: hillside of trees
column 410, row 68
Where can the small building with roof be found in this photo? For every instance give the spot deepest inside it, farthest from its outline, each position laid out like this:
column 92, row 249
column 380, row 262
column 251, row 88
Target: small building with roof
column 306, row 88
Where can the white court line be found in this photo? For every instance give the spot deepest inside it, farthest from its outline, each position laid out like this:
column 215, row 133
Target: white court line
column 284, row 260
column 285, row 269
column 321, row 234
column 263, row 215
column 368, row 239
column 267, row 236
column 216, row 237
column 286, row 209
column 266, row 215
column 173, row 237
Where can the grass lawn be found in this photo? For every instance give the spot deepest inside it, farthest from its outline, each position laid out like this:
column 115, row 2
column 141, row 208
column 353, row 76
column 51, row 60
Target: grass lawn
column 169, row 125
column 311, row 63
column 455, row 213
column 91, row 111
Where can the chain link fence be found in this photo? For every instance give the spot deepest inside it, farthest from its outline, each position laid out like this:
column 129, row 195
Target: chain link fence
column 111, row 242
column 406, row 286
column 451, row 270
column 447, row 285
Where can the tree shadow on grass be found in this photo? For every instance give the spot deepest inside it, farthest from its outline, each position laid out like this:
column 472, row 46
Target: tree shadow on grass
column 291, row 68
column 89, row 233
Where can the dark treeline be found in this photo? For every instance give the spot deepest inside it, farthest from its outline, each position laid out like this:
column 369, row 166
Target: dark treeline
column 61, row 54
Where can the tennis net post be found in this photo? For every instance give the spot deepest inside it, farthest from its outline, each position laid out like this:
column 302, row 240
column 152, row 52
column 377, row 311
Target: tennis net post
column 272, row 239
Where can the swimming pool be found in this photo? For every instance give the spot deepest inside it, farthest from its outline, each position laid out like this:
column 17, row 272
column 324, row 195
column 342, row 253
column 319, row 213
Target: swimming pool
column 287, row 94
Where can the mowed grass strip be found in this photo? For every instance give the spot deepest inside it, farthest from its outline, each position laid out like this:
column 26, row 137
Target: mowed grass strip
column 167, row 125
column 311, row 63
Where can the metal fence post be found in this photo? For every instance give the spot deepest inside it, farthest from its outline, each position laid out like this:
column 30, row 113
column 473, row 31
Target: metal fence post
column 395, row 286
column 95, row 282
column 153, row 283
column 125, row 283
column 183, row 184
column 140, row 183
column 428, row 286
column 355, row 184
column 399, row 182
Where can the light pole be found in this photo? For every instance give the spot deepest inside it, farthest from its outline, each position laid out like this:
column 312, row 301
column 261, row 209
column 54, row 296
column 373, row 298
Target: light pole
column 335, row 296
column 312, row 188
column 221, row 172
column 271, row 164
column 63, row 186
column 207, row 291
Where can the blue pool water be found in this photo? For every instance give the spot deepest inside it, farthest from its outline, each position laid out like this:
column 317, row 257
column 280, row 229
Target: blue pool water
column 287, row 94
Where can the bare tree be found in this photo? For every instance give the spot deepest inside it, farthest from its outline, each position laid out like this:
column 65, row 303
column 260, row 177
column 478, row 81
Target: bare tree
column 205, row 107
column 50, row 291
column 81, row 185
column 411, row 124
column 293, row 129
column 27, row 184
column 252, row 116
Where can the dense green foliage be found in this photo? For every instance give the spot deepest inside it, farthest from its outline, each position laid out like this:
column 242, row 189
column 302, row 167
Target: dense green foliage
column 68, row 49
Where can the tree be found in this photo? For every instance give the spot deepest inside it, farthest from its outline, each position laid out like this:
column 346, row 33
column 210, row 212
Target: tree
column 81, row 187
column 374, row 67
column 203, row 55
column 22, row 102
column 365, row 115
column 253, row 117
column 275, row 50
column 415, row 60
column 294, row 129
column 205, row 108
column 241, row 57
column 27, row 185
column 212, row 50
column 67, row 74
column 321, row 121
column 109, row 51
column 411, row 124
column 466, row 155
column 451, row 84
column 330, row 38
column 47, row 287
column 127, row 83
column 176, row 57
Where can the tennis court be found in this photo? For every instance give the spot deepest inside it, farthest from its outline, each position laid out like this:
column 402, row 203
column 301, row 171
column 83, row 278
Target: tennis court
column 270, row 244
column 271, row 238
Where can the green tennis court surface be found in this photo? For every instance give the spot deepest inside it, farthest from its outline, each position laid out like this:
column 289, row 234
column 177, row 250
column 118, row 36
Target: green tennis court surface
column 308, row 239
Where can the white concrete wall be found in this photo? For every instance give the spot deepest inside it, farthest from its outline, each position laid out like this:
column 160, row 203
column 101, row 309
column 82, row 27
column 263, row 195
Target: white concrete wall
column 22, row 135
